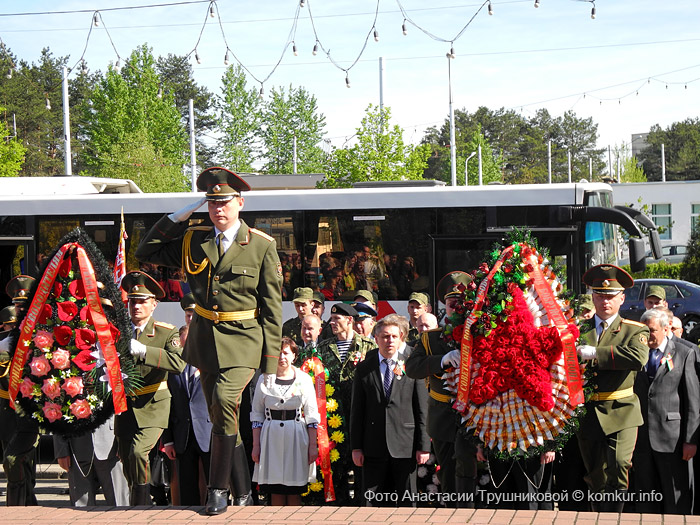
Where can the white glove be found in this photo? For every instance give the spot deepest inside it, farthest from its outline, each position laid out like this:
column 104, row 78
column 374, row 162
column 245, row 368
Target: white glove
column 586, row 352
column 452, row 358
column 5, row 345
column 138, row 350
column 184, row 213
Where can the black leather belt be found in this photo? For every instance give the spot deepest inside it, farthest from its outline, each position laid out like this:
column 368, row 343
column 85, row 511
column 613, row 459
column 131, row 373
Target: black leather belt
column 283, row 415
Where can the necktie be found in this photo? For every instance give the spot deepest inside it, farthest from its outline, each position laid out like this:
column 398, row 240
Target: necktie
column 653, row 364
column 388, row 376
column 137, row 332
column 603, row 327
column 220, row 243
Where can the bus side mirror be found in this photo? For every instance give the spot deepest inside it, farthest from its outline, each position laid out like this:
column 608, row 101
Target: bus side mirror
column 638, row 261
column 655, row 243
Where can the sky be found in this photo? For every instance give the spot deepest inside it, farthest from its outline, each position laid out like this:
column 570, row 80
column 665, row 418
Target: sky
column 635, row 65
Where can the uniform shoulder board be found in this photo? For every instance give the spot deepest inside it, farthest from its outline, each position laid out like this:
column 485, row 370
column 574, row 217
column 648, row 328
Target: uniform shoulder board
column 633, row 323
column 261, row 234
column 200, row 228
column 164, row 325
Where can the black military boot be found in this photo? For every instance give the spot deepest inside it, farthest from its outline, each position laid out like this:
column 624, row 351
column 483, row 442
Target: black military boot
column 222, row 447
column 466, row 488
column 240, row 478
column 141, row 495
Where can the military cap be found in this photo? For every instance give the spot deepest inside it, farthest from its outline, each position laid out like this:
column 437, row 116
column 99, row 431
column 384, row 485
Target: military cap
column 452, row 284
column 221, row 184
column 420, row 298
column 656, row 291
column 140, row 285
column 18, row 288
column 585, row 302
column 319, row 297
column 187, row 302
column 301, row 295
column 8, row 315
column 607, row 279
column 366, row 295
column 364, row 310
column 343, row 309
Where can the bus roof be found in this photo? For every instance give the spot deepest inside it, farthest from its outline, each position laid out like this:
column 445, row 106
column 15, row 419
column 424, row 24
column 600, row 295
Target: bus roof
column 20, row 204
column 66, row 185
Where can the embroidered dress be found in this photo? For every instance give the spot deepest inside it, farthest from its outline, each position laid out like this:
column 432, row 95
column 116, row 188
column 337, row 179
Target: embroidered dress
column 284, row 443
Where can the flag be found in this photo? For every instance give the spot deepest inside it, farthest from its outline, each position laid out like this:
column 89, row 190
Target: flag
column 120, row 260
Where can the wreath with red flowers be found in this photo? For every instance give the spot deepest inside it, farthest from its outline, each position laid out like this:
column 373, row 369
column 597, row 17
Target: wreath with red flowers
column 524, row 392
column 63, row 373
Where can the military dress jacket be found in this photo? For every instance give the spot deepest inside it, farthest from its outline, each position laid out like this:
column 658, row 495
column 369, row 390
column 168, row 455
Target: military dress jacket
column 292, row 329
column 424, row 362
column 163, row 355
column 248, row 277
column 620, row 354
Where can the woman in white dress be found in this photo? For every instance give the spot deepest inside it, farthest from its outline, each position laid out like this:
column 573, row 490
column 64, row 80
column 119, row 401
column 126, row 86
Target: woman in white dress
column 284, row 418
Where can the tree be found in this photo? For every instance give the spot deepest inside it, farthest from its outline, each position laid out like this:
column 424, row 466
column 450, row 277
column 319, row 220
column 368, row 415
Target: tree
column 32, row 96
column 681, row 142
column 125, row 112
column 177, row 77
column 631, row 170
column 690, row 268
column 491, row 167
column 378, row 154
column 290, row 117
column 11, row 152
column 239, row 116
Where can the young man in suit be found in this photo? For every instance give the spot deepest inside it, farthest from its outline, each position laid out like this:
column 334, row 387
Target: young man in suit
column 388, row 419
column 236, row 277
column 615, row 349
column 670, row 399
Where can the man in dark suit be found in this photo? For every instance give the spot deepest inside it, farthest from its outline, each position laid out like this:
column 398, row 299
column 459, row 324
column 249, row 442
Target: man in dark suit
column 92, row 462
column 236, row 277
column 388, row 418
column 615, row 349
column 670, row 399
column 157, row 350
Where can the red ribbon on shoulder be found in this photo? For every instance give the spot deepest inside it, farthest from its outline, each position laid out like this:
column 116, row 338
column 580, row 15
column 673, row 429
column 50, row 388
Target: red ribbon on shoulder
column 99, row 319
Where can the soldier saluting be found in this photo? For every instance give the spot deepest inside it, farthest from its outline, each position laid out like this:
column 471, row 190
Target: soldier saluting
column 235, row 276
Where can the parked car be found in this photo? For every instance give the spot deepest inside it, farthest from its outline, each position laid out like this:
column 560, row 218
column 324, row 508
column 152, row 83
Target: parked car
column 682, row 297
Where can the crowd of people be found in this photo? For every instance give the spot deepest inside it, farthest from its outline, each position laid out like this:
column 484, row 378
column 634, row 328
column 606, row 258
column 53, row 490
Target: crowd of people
column 347, row 407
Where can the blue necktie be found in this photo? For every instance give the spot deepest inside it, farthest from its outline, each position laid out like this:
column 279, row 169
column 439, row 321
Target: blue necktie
column 388, row 376
column 653, row 364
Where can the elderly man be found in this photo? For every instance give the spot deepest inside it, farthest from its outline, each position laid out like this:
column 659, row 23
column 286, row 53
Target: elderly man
column 425, row 322
column 235, row 276
column 388, row 418
column 430, row 358
column 615, row 350
column 670, row 398
column 156, row 348
column 310, row 332
column 365, row 319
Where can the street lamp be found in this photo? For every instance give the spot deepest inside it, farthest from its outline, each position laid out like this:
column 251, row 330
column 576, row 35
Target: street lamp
column 453, row 145
column 466, row 168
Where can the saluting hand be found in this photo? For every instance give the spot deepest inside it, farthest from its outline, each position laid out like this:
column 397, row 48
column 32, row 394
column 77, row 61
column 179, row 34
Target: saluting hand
column 184, row 213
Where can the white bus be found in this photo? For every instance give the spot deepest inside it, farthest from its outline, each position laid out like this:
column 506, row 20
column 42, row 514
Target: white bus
column 406, row 236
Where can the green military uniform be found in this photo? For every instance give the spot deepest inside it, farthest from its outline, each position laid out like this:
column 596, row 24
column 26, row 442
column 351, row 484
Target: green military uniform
column 19, row 434
column 455, row 455
column 139, row 428
column 412, row 336
column 608, row 433
column 237, row 326
column 292, row 329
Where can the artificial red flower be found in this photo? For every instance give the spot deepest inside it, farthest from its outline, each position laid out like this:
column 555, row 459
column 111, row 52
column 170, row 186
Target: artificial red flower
column 86, row 314
column 57, row 288
column 77, row 289
column 84, row 338
column 84, row 360
column 67, row 310
column 44, row 314
column 65, row 268
column 63, row 334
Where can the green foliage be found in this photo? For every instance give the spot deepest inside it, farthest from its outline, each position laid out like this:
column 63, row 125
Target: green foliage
column 378, row 154
column 521, row 144
column 125, row 118
column 239, row 112
column 630, row 168
column 11, row 152
column 661, row 270
column 491, row 166
column 681, row 142
column 690, row 267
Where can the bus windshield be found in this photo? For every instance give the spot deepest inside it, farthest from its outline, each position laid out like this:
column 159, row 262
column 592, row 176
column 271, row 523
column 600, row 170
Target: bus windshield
column 600, row 239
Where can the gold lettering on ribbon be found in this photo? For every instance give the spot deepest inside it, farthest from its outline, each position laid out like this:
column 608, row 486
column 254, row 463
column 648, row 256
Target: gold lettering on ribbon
column 114, row 372
column 322, row 431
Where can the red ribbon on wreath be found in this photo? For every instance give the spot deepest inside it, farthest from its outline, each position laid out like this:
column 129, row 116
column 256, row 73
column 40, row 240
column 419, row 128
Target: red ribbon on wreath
column 99, row 319
column 315, row 365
